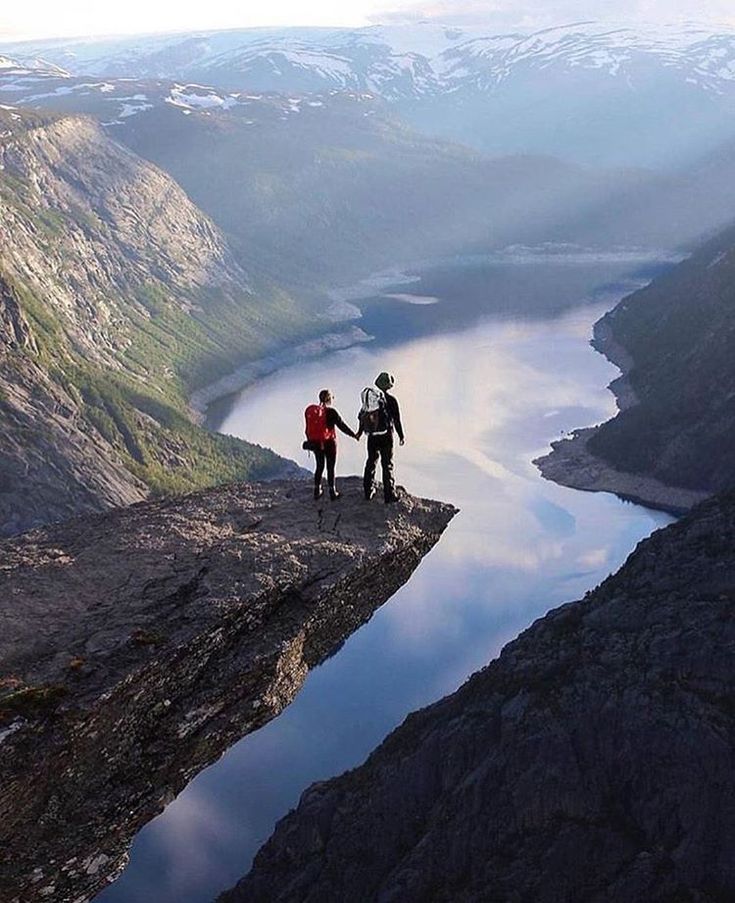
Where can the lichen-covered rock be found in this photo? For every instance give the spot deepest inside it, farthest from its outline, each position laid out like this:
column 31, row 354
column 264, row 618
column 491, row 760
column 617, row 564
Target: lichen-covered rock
column 137, row 645
column 593, row 761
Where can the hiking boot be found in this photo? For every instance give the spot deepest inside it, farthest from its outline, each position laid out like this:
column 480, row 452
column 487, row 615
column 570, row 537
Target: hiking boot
column 333, row 494
column 318, row 493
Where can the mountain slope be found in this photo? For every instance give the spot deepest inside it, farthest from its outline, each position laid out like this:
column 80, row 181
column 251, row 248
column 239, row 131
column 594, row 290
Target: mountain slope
column 680, row 335
column 592, row 761
column 50, row 465
column 117, row 296
column 673, row 441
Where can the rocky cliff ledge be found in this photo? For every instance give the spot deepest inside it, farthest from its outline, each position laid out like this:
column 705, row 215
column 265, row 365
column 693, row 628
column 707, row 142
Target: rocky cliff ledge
column 593, row 761
column 137, row 645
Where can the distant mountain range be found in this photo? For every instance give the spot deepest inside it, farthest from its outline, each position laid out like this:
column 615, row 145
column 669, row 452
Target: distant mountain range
column 319, row 188
column 374, row 190
column 588, row 92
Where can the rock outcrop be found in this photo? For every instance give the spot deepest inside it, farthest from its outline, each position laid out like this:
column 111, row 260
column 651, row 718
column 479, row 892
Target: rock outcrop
column 137, row 645
column 594, row 760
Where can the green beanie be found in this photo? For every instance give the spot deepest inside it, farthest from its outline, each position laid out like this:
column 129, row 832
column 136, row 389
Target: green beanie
column 385, row 381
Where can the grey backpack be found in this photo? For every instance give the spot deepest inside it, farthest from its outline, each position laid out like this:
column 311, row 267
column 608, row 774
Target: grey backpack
column 373, row 416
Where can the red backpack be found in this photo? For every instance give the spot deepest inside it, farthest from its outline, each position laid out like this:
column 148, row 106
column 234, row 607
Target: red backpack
column 316, row 424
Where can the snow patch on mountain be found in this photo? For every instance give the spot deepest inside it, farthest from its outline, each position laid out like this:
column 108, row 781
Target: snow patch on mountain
column 197, row 97
column 397, row 60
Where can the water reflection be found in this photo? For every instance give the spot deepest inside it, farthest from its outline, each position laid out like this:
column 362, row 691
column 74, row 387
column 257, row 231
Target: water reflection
column 478, row 405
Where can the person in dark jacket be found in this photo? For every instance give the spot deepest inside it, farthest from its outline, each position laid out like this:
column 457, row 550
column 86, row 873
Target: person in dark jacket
column 327, row 453
column 380, row 442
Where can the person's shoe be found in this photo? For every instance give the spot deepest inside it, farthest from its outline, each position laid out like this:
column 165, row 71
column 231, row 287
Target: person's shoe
column 333, row 494
column 318, row 493
column 390, row 499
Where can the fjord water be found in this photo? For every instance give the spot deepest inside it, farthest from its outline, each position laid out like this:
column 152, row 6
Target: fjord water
column 484, row 386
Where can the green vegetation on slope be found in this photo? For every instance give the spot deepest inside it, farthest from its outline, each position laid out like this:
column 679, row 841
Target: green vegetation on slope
column 132, row 300
column 141, row 410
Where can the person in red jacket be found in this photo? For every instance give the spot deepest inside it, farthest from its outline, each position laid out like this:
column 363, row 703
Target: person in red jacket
column 322, row 422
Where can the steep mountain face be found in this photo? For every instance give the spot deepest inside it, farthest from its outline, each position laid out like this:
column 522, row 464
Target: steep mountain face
column 116, row 297
column 592, row 761
column 679, row 333
column 590, row 92
column 52, row 463
column 136, row 646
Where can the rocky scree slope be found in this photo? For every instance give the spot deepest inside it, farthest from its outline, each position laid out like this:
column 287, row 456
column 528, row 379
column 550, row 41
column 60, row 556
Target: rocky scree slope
column 137, row 645
column 673, row 441
column 117, row 297
column 592, row 761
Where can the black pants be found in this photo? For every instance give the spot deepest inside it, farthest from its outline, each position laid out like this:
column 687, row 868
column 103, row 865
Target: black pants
column 380, row 446
column 327, row 454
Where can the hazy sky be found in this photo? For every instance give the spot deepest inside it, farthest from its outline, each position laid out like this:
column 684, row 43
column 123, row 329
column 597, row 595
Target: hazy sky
column 36, row 18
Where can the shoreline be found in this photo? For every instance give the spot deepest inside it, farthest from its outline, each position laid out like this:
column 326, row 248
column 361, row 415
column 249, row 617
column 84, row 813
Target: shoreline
column 343, row 310
column 249, row 373
column 570, row 463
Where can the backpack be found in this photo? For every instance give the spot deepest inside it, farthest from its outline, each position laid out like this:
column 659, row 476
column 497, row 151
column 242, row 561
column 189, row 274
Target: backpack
column 317, row 431
column 373, row 416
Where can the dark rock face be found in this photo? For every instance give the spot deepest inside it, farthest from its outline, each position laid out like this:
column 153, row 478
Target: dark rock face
column 673, row 442
column 679, row 333
column 593, row 761
column 136, row 646
column 14, row 331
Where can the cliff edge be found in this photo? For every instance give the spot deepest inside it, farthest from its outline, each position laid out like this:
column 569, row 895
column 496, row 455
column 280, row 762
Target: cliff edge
column 137, row 645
